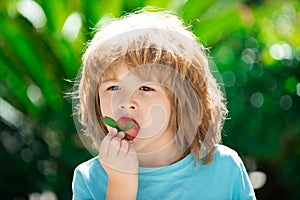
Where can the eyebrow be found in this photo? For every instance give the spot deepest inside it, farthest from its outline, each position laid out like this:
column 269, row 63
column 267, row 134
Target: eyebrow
column 109, row 80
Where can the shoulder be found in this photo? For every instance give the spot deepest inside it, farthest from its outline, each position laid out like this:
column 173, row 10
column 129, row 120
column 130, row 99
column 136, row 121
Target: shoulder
column 89, row 180
column 226, row 155
column 232, row 169
column 225, row 152
column 88, row 167
column 89, row 163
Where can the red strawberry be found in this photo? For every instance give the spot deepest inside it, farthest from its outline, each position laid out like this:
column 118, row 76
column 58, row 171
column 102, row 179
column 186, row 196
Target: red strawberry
column 130, row 133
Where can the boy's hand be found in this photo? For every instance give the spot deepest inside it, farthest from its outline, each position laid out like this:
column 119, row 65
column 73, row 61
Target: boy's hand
column 120, row 162
column 118, row 157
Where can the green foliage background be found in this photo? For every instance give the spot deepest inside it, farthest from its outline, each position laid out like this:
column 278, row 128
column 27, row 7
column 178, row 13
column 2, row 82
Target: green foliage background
column 254, row 44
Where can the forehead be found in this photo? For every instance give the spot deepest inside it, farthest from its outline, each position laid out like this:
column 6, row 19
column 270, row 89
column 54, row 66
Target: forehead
column 121, row 69
column 114, row 71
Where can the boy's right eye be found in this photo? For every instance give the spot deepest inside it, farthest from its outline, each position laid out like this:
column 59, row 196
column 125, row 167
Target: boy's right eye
column 114, row 87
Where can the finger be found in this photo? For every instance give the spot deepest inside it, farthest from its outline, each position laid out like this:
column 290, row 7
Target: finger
column 114, row 147
column 131, row 148
column 124, row 147
column 120, row 135
column 112, row 133
column 104, row 146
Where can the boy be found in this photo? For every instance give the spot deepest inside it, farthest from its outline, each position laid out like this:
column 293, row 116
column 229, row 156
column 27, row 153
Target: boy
column 149, row 69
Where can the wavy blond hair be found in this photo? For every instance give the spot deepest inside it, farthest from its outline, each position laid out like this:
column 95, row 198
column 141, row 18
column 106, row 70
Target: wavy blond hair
column 155, row 38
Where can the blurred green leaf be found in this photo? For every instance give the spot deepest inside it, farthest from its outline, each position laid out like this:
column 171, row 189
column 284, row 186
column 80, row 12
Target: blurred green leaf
column 291, row 84
column 260, row 82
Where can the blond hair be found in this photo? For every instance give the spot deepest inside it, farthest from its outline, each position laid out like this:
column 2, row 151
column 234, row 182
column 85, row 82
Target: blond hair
column 156, row 38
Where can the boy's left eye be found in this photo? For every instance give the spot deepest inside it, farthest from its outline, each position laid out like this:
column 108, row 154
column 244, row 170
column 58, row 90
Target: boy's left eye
column 114, row 87
column 146, row 89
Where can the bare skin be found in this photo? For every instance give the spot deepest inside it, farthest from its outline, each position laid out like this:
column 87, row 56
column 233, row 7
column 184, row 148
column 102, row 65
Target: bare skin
column 127, row 95
column 117, row 154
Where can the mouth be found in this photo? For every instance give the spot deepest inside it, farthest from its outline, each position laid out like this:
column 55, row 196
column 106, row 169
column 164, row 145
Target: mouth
column 129, row 126
column 126, row 124
column 134, row 121
column 127, row 118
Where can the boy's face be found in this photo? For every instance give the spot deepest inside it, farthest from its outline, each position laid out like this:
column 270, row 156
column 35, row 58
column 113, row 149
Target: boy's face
column 146, row 102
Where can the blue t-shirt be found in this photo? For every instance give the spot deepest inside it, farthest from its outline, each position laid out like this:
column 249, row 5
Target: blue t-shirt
column 224, row 178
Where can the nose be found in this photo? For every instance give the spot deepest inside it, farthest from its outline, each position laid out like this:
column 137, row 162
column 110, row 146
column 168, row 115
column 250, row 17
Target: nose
column 129, row 104
column 131, row 107
column 128, row 100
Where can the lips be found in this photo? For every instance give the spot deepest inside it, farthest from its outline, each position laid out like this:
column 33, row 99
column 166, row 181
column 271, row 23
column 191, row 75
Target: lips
column 131, row 132
column 126, row 124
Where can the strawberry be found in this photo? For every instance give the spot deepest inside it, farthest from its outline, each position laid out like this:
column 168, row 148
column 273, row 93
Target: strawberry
column 131, row 127
column 125, row 124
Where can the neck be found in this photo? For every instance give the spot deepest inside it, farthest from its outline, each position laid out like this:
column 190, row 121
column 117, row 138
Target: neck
column 161, row 157
column 158, row 151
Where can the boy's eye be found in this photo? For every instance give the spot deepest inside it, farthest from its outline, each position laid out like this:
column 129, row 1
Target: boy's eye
column 114, row 87
column 146, row 89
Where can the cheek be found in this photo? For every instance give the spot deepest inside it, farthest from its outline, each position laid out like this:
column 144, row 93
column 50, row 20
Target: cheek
column 157, row 113
column 105, row 104
column 168, row 112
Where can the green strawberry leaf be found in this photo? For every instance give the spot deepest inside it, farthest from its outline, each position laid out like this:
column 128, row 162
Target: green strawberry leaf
column 129, row 125
column 120, row 127
column 110, row 122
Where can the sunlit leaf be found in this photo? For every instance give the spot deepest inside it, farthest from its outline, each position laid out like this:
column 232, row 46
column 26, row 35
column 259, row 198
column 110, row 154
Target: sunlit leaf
column 291, row 84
